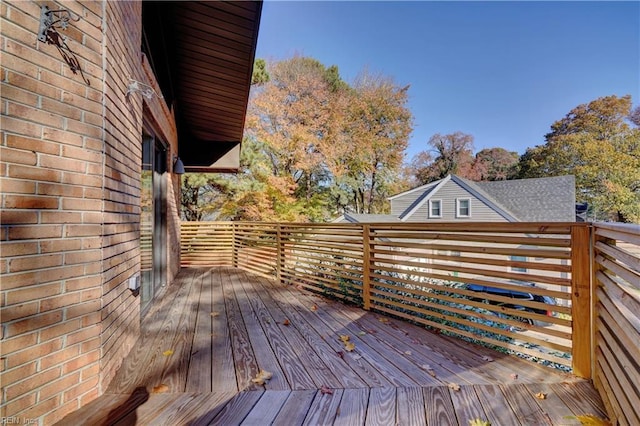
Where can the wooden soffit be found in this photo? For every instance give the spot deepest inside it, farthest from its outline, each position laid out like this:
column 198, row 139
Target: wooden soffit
column 202, row 53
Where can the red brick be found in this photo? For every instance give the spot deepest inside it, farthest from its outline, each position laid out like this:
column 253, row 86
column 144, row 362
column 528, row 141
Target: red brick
column 92, row 371
column 30, row 202
column 61, row 82
column 18, row 95
column 18, row 65
column 17, row 217
column 32, row 293
column 32, row 383
column 80, row 336
column 85, row 129
column 19, row 405
column 34, row 114
column 34, row 262
column 17, row 186
column 82, row 154
column 33, row 353
column 34, row 173
column 42, row 408
column 18, row 125
column 83, row 230
column 68, row 244
column 35, row 232
column 60, row 217
column 13, row 312
column 82, row 309
column 25, row 20
column 62, row 136
column 82, row 179
column 60, row 189
column 60, row 357
column 37, row 145
column 61, row 163
column 18, row 343
column 19, row 156
column 82, row 257
column 59, row 413
column 9, row 377
column 90, row 345
column 70, row 112
column 81, row 389
column 33, row 323
column 18, row 248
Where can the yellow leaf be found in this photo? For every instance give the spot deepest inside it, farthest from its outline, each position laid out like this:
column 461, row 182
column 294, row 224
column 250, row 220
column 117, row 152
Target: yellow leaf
column 541, row 395
column 314, row 308
column 168, row 352
column 383, row 319
column 262, row 377
column 454, row 386
column 215, row 314
column 407, row 352
column 344, row 338
column 349, row 346
column 478, row 422
column 161, row 388
column 592, row 420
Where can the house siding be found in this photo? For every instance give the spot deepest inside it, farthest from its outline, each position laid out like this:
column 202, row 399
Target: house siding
column 448, row 193
column 400, row 204
column 70, row 164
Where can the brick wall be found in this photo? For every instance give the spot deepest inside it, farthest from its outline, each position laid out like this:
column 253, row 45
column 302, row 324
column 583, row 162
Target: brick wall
column 70, row 161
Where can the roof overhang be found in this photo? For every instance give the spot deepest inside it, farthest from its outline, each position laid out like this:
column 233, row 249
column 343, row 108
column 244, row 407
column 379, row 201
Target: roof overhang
column 202, row 53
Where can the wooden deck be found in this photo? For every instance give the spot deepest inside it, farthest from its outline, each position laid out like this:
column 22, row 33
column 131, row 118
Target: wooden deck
column 216, row 328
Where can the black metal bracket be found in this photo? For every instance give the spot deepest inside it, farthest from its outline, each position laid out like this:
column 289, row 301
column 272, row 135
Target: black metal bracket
column 50, row 22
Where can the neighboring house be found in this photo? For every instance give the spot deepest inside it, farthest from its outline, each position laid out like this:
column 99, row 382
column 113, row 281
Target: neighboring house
column 456, row 199
column 522, row 200
column 99, row 99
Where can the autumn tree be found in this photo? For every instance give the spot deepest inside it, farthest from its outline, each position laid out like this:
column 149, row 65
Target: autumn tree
column 495, row 164
column 597, row 144
column 375, row 136
column 450, row 154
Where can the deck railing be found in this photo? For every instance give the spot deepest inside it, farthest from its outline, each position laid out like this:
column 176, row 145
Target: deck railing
column 576, row 285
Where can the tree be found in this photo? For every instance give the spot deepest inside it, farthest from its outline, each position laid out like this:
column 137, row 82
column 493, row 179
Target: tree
column 595, row 143
column 377, row 133
column 453, row 155
column 496, row 164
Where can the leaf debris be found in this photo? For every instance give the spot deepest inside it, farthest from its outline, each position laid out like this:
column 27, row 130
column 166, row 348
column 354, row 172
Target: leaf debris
column 454, row 386
column 168, row 352
column 262, row 377
column 161, row 388
column 541, row 395
column 326, row 390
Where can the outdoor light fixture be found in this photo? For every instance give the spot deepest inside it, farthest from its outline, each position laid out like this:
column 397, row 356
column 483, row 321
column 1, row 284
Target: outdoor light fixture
column 178, row 167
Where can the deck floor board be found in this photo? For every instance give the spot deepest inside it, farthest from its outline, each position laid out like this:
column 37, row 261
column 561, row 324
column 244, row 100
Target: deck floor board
column 222, row 325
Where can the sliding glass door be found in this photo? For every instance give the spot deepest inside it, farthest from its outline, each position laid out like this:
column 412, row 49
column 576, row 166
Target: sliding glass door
column 153, row 244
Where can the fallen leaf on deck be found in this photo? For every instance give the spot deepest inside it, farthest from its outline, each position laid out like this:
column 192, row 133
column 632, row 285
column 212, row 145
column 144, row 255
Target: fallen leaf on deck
column 591, row 420
column 168, row 352
column 415, row 341
column 541, row 395
column 161, row 388
column 344, row 338
column 286, row 322
column 349, row 347
column 514, row 376
column 340, row 354
column 407, row 352
column 454, row 386
column 325, row 390
column 314, row 308
column 383, row 319
column 215, row 314
column 362, row 333
column 478, row 422
column 262, row 377
column 299, row 287
column 487, row 358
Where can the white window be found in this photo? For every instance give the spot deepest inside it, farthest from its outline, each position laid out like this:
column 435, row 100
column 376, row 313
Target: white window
column 463, row 207
column 435, row 208
column 518, row 259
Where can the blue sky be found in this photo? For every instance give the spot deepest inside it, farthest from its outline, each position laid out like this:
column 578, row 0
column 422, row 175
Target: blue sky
column 501, row 71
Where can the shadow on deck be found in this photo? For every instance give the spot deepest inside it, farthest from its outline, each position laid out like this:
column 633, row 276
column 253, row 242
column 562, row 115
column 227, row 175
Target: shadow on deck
column 216, row 328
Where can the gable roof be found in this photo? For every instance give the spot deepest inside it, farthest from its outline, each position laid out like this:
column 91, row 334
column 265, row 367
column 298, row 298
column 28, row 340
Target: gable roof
column 536, row 200
column 367, row 218
column 522, row 200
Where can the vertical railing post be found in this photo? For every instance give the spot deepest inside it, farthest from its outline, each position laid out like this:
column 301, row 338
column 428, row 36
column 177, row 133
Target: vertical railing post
column 582, row 350
column 234, row 246
column 279, row 252
column 366, row 266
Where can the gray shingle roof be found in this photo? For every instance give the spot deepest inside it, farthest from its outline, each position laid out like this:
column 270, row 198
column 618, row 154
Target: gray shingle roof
column 370, row 218
column 550, row 199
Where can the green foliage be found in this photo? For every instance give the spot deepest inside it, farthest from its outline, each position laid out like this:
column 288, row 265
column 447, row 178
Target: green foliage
column 595, row 143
